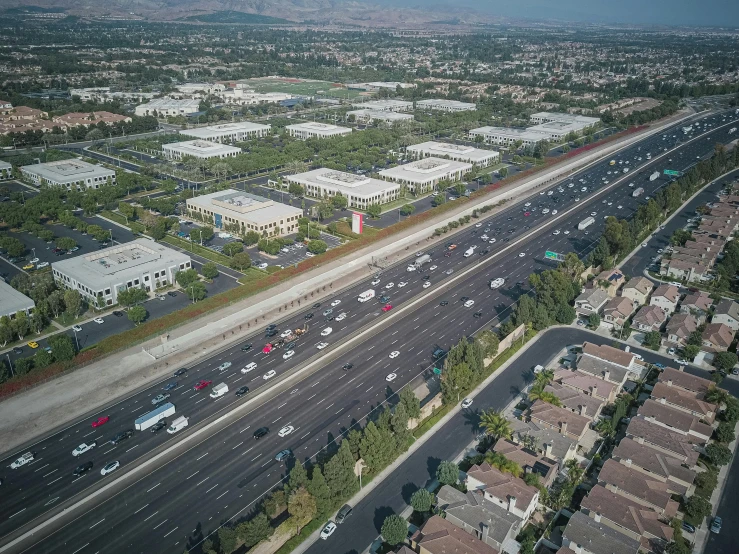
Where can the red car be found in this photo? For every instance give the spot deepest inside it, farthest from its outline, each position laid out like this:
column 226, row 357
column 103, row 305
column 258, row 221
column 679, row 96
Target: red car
column 267, row 348
column 101, row 421
column 527, row 214
column 387, row 307
column 202, row 384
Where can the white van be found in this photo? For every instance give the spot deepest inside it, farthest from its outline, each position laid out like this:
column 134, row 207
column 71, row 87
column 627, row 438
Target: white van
column 249, row 367
column 219, row 390
column 177, row 424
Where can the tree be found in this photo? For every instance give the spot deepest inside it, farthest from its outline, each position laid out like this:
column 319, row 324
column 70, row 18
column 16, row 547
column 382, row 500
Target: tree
column 233, row 248
column 606, row 428
column 209, row 270
column 132, row 296
column 691, row 351
column 698, row 507
column 296, row 190
column 447, row 473
column 725, row 432
column 495, row 424
column 455, row 381
column 394, row 530
column 489, row 341
column 724, row 360
column 65, row 243
column 227, row 539
column 503, row 172
column 374, row 210
column 62, row 347
column 241, row 261
column 652, row 339
column 422, row 500
column 719, row 454
column 339, row 472
column 73, row 302
column 159, row 230
column 302, row 507
column 275, row 503
column 196, row 291
column 528, row 543
column 339, row 201
column 137, row 314
column 410, row 402
column 407, row 209
column 317, row 246
column 320, row 491
column 186, row 277
column 594, row 320
column 298, row 477
column 575, row 473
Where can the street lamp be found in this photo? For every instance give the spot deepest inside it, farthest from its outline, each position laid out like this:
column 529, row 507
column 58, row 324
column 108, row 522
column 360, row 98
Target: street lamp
column 10, row 364
column 76, row 339
column 111, row 233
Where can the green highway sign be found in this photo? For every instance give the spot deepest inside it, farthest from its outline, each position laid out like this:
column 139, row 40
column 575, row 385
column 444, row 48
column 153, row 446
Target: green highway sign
column 554, row 256
column 673, row 173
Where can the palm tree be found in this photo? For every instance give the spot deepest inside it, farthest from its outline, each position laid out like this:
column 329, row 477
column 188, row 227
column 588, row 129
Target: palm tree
column 544, row 378
column 496, row 459
column 574, row 471
column 717, row 396
column 495, row 424
column 550, row 398
column 535, row 392
column 605, row 428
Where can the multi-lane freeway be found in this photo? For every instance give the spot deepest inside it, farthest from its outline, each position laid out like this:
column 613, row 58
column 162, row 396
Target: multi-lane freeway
column 224, row 475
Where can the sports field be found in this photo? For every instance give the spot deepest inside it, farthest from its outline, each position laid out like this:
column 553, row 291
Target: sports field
column 305, row 87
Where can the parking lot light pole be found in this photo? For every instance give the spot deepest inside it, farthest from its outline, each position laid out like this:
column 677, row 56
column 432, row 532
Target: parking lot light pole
column 76, row 339
column 10, row 364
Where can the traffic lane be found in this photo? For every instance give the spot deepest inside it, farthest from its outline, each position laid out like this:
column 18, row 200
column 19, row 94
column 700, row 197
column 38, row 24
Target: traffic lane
column 8, row 270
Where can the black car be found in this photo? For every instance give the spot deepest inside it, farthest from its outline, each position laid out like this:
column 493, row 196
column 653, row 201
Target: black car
column 17, row 350
column 486, row 251
column 171, row 293
column 688, row 527
column 271, row 333
column 347, row 366
column 438, row 353
column 464, row 299
column 123, row 435
column 477, row 315
column 118, row 313
column 247, row 347
column 241, row 391
column 308, row 316
column 82, row 469
column 271, row 326
column 181, row 371
column 316, row 305
column 426, row 277
column 384, row 299
column 329, row 318
column 443, row 303
column 259, row 433
column 290, row 346
column 158, row 426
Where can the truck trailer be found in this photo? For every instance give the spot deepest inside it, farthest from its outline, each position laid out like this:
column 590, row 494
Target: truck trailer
column 418, row 262
column 637, row 192
column 585, row 223
column 654, row 176
column 155, row 416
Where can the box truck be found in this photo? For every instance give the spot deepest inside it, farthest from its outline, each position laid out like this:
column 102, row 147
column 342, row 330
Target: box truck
column 366, row 295
column 177, row 425
column 637, row 192
column 587, row 222
column 654, row 176
column 219, row 390
column 147, row 420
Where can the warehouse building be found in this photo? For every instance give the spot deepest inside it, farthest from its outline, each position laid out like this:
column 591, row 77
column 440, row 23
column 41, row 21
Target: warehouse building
column 12, row 301
column 229, row 132
column 141, row 263
column 162, row 107
column 230, row 208
column 359, row 190
column 423, row 175
column 443, row 105
column 369, row 116
column 506, row 136
column 6, row 171
column 203, row 149
column 388, row 105
column 457, row 152
column 580, row 122
column 313, row 129
column 70, row 174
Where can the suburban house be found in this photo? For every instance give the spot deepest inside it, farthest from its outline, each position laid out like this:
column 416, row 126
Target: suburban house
column 697, row 304
column 617, row 310
column 649, row 318
column 657, row 411
column 683, row 270
column 441, row 536
column 665, row 297
column 637, row 289
column 679, row 327
column 583, row 535
column 655, row 464
column 591, row 301
column 586, row 384
column 529, row 460
column 717, row 337
column 610, row 281
column 636, row 486
column 544, row 441
column 503, row 489
column 563, row 420
column 685, row 381
column 689, row 402
column 575, row 401
column 727, row 312
column 660, row 438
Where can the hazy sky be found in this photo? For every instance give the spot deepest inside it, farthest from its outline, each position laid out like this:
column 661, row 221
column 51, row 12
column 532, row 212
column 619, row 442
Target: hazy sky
column 650, row 12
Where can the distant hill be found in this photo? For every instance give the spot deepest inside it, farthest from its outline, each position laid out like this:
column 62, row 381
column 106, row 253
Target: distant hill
column 238, row 17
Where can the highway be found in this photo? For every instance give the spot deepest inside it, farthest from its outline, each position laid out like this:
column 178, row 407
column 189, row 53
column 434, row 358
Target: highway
column 230, row 470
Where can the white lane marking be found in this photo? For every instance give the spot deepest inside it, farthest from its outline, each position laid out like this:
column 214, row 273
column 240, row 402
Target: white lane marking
column 152, row 488
column 281, row 405
column 210, row 489
column 172, row 531
column 201, row 457
column 244, row 429
column 218, row 497
column 52, row 471
column 162, row 523
column 111, row 450
column 257, row 456
column 203, row 481
column 312, row 397
column 327, row 407
column 129, row 450
column 193, row 475
column 54, row 481
column 314, row 384
column 16, row 513
column 39, row 469
column 235, row 447
column 265, row 463
column 88, row 434
column 278, row 419
column 86, row 545
column 308, row 433
column 152, row 515
column 98, row 523
column 199, row 401
column 142, row 507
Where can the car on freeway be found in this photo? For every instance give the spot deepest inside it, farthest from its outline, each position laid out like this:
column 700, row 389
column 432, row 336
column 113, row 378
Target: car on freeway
column 224, row 366
column 341, row 316
column 247, row 347
column 110, row 468
column 101, row 421
column 716, row 525
column 308, row 316
column 285, row 431
column 289, row 354
column 526, row 214
column 402, row 284
column 283, row 454
column 394, row 354
column 159, row 398
column 82, row 469
column 387, row 307
column 82, row 448
column 321, row 345
column 347, row 366
column 477, row 315
column 123, row 435
column 328, row 312
column 99, row 320
column 467, row 402
column 77, row 328
column 259, row 433
column 433, row 267
column 180, row 372
column 33, row 345
column 335, row 302
column 390, row 285
column 328, row 530
column 391, row 377
column 427, row 284
column 449, row 271
column 469, row 303
column 241, row 391
column 556, row 232
column 271, row 333
column 286, row 333
column 444, row 303
column 375, row 282
column 271, row 373
column 200, row 385
column 170, row 386
column 326, row 332
column 158, row 426
column 522, row 254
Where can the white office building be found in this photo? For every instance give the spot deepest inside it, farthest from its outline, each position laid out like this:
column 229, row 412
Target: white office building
column 444, row 105
column 70, row 174
column 387, row 105
column 359, row 190
column 6, row 171
column 141, row 263
column 227, row 209
column 229, row 132
column 423, row 175
column 580, row 122
column 506, row 136
column 12, row 301
column 164, row 107
column 202, row 88
column 370, row 116
column 313, row 129
column 461, row 153
column 203, row 149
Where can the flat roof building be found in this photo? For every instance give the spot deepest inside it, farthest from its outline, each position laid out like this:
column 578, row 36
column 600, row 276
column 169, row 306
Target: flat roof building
column 423, row 175
column 508, row 135
column 13, row 301
column 203, row 149
column 313, row 129
column 359, row 190
column 229, row 132
column 168, row 106
column 141, row 263
column 232, row 209
column 572, row 119
column 457, row 152
column 387, row 105
column 444, row 105
column 6, row 171
column 69, row 174
column 368, row 116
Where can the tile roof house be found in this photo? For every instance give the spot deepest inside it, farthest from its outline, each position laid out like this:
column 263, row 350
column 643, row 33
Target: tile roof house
column 591, row 301
column 637, row 289
column 657, row 411
column 717, row 337
column 727, row 312
column 656, row 464
column 543, row 440
column 659, row 438
column 583, row 535
column 628, row 517
column 649, row 318
column 685, row 381
column 559, row 419
column 679, row 327
column 481, row 518
column 575, row 401
column 689, row 402
column 610, row 354
column 529, row 460
column 617, row 310
column 503, row 489
column 614, row 278
column 587, row 384
column 636, row 486
column 697, row 303
column 665, row 297
column 439, row 536
column 683, row 270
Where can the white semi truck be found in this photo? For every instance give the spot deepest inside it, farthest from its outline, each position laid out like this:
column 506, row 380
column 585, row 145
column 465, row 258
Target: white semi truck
column 418, row 262
column 585, row 223
column 147, row 420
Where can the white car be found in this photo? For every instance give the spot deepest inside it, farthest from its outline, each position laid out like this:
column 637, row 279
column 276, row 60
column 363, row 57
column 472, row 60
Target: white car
column 224, row 366
column 286, row 333
column 159, row 398
column 288, row 354
column 335, row 302
column 411, row 268
column 522, row 254
column 271, row 373
column 262, row 266
column 484, row 237
column 566, row 232
column 35, row 261
column 427, row 284
column 593, row 214
column 433, row 267
column 467, row 402
column 110, row 468
column 309, row 254
column 82, row 448
column 391, row 377
column 389, row 285
column 550, row 193
column 643, row 244
column 527, row 204
column 375, row 282
column 251, row 366
column 341, row 316
column 619, row 207
column 545, row 211
column 577, row 199
column 572, row 184
column 497, row 283
column 23, row 460
column 286, row 430
column 556, row 232
column 394, row 354
column 469, row 303
column 478, row 225
column 491, row 241
column 610, row 203
column 402, row 284
column 328, row 530
column 326, row 332
column 321, row 345
column 77, row 328
column 42, row 265
column 554, row 212
column 99, row 320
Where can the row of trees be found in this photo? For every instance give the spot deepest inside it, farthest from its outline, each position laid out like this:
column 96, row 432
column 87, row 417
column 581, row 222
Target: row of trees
column 464, row 365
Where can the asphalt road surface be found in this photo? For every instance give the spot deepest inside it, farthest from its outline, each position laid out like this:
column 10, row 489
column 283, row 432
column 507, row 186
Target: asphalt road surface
column 227, row 473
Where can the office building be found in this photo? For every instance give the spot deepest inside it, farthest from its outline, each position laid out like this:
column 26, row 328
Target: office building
column 359, row 190
column 141, row 263
column 229, row 132
column 228, row 209
column 203, row 149
column 313, row 129
column 580, row 122
column 163, row 107
column 69, row 173
column 370, row 116
column 387, row 105
column 423, row 175
column 444, row 105
column 13, row 301
column 506, row 136
column 457, row 152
